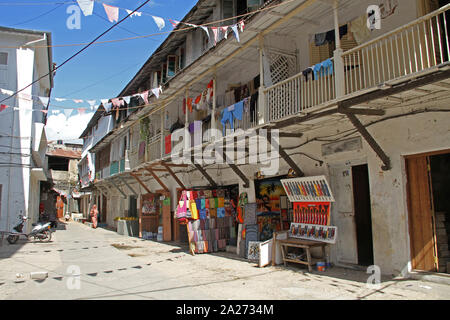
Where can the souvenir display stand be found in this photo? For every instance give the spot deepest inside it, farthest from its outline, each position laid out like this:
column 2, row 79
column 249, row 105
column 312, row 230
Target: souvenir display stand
column 311, row 198
column 209, row 217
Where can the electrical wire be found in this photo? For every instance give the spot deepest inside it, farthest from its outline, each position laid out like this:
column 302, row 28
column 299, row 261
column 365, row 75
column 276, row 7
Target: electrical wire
column 35, row 18
column 78, row 52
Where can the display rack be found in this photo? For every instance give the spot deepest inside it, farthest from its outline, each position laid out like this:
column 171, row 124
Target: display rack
column 308, row 189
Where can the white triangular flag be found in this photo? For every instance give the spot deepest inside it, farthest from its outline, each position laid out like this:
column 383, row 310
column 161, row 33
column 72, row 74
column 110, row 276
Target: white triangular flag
column 87, row 6
column 44, row 100
column 55, row 111
column 224, row 31
column 92, row 103
column 156, row 92
column 67, row 112
column 215, row 31
column 134, row 14
column 205, row 29
column 159, row 22
column 104, row 101
column 7, row 92
column 60, row 99
column 127, row 99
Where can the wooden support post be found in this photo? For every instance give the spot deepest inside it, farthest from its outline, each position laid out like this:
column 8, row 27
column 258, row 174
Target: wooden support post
column 157, row 179
column 285, row 156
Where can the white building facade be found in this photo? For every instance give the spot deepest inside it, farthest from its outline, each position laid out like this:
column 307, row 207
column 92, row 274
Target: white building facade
column 23, row 141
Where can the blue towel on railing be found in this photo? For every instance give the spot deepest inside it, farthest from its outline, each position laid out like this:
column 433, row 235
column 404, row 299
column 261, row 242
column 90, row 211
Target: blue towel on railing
column 323, row 68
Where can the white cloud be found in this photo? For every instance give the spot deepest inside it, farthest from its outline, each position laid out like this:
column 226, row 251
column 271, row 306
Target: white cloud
column 60, row 128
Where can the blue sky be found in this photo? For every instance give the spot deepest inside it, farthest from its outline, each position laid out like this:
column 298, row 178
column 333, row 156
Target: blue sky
column 102, row 70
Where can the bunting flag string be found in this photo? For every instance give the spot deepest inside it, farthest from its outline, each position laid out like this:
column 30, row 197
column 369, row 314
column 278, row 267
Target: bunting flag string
column 112, row 13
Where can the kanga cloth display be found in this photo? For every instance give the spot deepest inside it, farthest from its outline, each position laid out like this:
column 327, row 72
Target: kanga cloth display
column 250, row 213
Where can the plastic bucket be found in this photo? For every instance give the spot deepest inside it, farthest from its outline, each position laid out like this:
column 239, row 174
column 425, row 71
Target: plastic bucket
column 320, row 266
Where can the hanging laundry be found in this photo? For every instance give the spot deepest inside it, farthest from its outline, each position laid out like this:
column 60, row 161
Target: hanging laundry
column 81, row 110
column 159, row 22
column 307, row 72
column 112, row 12
column 358, row 28
column 320, row 39
column 189, row 104
column 3, row 107
column 44, row 111
column 233, row 112
column 78, row 100
column 87, row 6
column 117, row 103
column 324, row 68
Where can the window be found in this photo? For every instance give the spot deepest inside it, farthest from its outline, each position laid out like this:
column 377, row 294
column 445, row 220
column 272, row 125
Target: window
column 171, row 65
column 3, row 58
column 3, row 68
column 227, row 11
column 58, row 163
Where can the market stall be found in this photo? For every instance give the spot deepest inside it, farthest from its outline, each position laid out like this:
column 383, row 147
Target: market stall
column 154, row 217
column 311, row 198
column 210, row 218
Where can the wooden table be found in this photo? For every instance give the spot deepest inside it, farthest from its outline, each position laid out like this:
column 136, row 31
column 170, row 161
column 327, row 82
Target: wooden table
column 304, row 244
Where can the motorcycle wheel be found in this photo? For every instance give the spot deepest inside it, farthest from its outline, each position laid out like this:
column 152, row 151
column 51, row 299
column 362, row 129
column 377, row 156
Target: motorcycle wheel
column 47, row 236
column 12, row 239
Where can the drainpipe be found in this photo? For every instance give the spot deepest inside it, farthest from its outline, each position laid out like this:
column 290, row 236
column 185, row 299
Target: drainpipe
column 338, row 60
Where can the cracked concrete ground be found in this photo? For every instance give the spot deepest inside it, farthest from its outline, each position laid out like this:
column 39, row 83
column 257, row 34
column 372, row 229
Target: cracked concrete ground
column 84, row 263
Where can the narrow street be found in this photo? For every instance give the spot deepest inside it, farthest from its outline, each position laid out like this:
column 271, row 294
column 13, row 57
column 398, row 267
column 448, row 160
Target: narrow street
column 119, row 267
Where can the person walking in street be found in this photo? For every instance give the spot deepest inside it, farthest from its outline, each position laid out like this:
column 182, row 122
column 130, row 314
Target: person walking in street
column 94, row 216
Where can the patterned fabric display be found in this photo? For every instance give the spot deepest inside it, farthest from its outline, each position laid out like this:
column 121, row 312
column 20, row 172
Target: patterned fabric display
column 250, row 213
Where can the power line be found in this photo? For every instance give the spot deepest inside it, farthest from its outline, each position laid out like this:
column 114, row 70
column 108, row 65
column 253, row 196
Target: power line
column 78, row 52
column 39, row 16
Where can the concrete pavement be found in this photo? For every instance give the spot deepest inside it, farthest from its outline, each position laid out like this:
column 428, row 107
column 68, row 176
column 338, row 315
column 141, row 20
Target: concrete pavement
column 84, row 263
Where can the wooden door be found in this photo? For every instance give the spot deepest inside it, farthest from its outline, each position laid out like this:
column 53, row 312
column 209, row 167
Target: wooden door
column 420, row 214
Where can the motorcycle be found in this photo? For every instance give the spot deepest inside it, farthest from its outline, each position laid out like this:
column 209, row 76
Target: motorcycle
column 40, row 232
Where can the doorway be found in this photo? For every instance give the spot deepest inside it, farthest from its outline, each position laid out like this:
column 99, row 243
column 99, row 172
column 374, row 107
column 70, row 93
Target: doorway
column 104, row 205
column 363, row 214
column 428, row 209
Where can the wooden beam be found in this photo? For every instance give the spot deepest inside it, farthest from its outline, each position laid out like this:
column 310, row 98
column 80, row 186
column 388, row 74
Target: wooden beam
column 123, row 194
column 157, row 179
column 128, row 186
column 285, row 156
column 362, row 111
column 206, row 175
column 174, row 175
column 371, row 141
column 141, row 183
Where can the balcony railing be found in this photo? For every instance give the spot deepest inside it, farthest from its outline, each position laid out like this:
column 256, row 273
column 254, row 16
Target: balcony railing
column 408, row 50
column 297, row 94
column 154, row 148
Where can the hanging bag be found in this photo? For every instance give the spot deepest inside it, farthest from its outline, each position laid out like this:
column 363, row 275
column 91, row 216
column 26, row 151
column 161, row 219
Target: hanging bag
column 182, row 206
